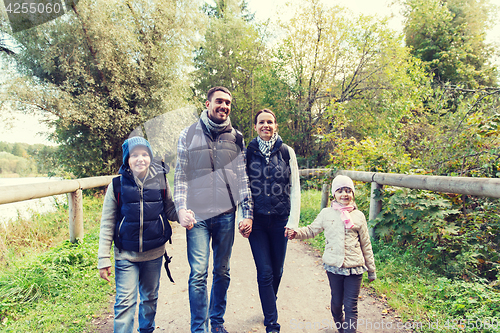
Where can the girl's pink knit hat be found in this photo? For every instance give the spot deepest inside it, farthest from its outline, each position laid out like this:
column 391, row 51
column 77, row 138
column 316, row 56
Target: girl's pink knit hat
column 342, row 181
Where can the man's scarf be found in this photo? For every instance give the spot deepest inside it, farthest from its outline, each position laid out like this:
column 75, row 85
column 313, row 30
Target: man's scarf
column 212, row 126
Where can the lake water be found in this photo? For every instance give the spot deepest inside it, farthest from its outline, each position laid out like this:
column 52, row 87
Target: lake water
column 26, row 208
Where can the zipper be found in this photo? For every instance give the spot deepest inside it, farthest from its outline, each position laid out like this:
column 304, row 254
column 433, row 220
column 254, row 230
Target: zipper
column 141, row 218
column 214, row 160
column 119, row 231
column 120, row 226
column 162, row 224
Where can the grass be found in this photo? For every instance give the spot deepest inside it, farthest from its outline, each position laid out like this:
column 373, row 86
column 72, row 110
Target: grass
column 48, row 284
column 34, row 235
column 420, row 296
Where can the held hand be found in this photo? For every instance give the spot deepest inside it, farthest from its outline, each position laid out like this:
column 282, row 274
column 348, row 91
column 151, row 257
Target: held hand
column 245, row 227
column 186, row 218
column 105, row 273
column 290, row 233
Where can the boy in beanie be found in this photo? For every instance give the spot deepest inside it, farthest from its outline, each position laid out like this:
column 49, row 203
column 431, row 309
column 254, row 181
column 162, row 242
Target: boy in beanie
column 135, row 216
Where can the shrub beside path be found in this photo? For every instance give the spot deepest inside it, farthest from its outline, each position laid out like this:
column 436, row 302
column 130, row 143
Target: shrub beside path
column 303, row 297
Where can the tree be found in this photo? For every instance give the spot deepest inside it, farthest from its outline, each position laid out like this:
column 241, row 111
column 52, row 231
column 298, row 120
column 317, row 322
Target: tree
column 19, row 150
column 232, row 55
column 326, row 61
column 105, row 70
column 449, row 37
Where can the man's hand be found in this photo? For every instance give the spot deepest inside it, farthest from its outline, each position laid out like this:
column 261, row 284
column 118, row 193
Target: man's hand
column 186, row 218
column 245, row 227
column 105, row 273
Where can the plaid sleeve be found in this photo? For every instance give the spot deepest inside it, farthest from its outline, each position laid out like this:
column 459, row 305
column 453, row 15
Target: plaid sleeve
column 244, row 186
column 180, row 179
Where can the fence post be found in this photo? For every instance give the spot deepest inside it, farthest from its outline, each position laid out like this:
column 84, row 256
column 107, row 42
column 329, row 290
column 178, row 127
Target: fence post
column 325, row 190
column 75, row 215
column 375, row 205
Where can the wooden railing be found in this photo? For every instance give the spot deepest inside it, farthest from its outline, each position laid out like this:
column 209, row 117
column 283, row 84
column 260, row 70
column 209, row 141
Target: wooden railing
column 73, row 188
column 485, row 187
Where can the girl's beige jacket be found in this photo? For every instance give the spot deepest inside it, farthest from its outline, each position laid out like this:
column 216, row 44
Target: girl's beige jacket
column 345, row 248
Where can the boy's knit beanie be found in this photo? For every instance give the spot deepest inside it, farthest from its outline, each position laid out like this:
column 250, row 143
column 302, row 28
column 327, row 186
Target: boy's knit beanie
column 342, row 181
column 133, row 142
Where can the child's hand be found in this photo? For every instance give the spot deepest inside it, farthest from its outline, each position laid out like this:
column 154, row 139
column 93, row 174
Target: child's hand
column 290, row 233
column 105, row 273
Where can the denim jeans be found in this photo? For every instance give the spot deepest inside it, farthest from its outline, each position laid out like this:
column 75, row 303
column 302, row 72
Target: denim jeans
column 345, row 291
column 268, row 244
column 221, row 230
column 130, row 277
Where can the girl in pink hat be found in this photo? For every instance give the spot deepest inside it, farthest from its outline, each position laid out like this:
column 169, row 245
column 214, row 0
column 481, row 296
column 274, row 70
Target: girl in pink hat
column 348, row 251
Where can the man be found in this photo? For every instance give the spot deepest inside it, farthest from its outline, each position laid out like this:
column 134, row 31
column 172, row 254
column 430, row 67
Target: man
column 210, row 181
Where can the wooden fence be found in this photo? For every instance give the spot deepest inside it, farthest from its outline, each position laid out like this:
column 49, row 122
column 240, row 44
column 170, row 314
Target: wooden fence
column 487, row 187
column 73, row 188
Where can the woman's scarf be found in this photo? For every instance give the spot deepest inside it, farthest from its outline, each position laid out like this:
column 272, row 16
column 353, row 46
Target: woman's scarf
column 344, row 213
column 212, row 126
column 266, row 147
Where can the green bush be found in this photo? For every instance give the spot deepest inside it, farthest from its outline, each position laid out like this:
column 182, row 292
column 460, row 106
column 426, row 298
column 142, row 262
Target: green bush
column 452, row 242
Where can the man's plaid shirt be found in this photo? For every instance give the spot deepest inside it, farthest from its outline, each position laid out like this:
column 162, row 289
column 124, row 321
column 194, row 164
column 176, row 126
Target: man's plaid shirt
column 181, row 184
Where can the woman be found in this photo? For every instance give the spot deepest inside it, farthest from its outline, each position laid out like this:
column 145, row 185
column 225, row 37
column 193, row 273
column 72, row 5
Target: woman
column 274, row 180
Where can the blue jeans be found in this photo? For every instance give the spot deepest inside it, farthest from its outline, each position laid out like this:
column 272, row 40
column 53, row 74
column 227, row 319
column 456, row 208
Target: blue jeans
column 345, row 291
column 268, row 243
column 221, row 230
column 130, row 277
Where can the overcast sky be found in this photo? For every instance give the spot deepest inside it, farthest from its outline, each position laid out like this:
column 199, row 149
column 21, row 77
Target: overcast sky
column 265, row 9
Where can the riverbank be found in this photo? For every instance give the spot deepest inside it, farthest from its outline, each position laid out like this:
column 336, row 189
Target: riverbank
column 24, row 209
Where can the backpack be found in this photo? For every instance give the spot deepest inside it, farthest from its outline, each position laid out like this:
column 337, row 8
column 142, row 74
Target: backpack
column 117, row 185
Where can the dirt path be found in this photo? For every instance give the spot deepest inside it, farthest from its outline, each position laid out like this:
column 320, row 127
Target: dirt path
column 303, row 298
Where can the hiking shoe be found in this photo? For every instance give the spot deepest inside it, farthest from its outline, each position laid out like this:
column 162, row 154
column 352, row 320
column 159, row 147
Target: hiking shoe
column 219, row 329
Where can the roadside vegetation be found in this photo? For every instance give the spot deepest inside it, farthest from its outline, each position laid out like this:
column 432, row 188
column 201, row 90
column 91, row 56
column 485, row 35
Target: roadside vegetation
column 48, row 284
column 444, row 281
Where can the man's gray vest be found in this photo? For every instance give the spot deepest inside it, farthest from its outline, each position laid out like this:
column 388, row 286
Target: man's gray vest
column 213, row 184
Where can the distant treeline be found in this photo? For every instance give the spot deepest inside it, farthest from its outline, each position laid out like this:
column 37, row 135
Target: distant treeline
column 25, row 159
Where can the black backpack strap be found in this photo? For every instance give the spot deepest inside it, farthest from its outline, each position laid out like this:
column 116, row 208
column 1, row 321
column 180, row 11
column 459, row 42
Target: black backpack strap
column 239, row 139
column 250, row 151
column 190, row 134
column 117, row 184
column 163, row 191
column 285, row 153
column 168, row 260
